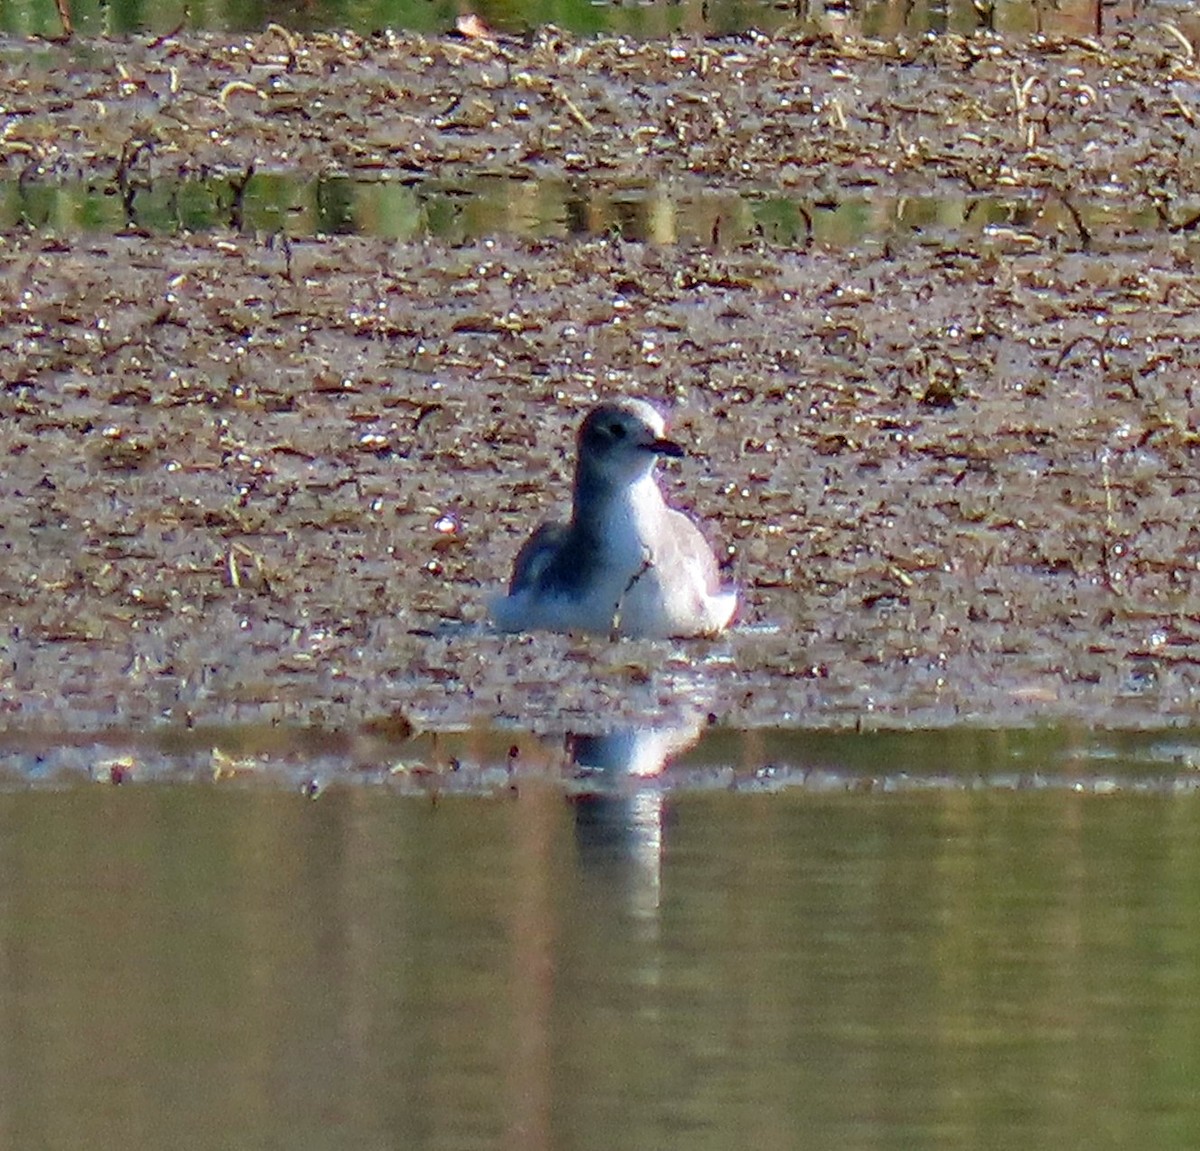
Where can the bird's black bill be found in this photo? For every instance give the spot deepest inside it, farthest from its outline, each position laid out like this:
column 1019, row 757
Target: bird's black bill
column 666, row 448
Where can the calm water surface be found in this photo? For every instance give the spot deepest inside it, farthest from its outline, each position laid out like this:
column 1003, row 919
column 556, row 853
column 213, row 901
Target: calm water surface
column 628, row 966
column 460, row 212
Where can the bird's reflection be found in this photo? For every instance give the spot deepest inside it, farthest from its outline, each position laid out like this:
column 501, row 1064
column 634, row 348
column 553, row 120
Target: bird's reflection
column 621, row 810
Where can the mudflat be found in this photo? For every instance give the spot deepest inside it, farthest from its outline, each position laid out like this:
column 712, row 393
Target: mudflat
column 272, row 478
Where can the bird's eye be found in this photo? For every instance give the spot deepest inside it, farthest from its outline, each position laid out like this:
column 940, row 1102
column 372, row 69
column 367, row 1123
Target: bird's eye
column 617, row 431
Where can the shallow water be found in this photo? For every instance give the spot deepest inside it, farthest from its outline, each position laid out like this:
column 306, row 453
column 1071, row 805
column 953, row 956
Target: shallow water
column 456, row 212
column 605, row 757
column 638, row 963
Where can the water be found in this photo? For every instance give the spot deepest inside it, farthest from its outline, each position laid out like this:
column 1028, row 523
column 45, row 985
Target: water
column 614, row 961
column 682, row 756
column 459, row 211
column 642, row 18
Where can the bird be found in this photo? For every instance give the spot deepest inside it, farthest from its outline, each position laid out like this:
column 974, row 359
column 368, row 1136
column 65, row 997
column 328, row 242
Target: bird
column 626, row 565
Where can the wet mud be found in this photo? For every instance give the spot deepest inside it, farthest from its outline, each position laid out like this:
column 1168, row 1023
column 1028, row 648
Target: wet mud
column 258, row 479
column 1076, row 116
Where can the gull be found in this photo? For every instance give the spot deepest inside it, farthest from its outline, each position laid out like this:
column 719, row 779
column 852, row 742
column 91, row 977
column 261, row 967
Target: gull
column 626, row 564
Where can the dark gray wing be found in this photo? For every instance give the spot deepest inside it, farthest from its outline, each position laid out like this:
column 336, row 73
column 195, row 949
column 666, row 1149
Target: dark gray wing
column 536, row 555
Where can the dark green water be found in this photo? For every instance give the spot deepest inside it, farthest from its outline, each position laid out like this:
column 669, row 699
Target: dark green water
column 191, row 966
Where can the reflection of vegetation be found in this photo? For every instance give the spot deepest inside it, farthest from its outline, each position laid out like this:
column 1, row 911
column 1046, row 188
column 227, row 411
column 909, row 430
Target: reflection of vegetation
column 844, row 224
column 879, row 18
column 389, row 210
column 664, row 18
column 441, row 218
column 194, row 207
column 335, row 201
column 491, row 206
column 426, row 16
column 963, row 969
column 782, row 222
column 274, row 203
column 517, row 15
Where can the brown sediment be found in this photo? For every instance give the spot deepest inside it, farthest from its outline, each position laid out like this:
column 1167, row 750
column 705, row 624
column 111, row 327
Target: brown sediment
column 253, row 481
column 1067, row 115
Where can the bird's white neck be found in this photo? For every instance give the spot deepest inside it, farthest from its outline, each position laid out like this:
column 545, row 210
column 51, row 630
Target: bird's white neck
column 623, row 516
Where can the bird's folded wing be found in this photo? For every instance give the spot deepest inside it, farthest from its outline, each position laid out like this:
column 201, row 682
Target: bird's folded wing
column 536, row 555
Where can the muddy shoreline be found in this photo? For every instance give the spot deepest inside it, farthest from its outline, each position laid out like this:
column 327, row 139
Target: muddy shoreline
column 1073, row 116
column 256, row 482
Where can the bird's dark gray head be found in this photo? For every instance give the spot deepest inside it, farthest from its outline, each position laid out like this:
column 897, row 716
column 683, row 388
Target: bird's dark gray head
column 620, row 440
